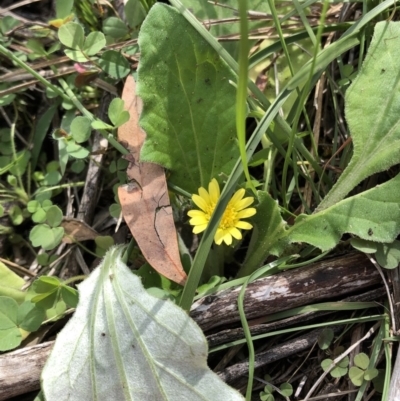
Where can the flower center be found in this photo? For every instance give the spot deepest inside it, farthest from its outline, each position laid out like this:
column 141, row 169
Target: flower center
column 229, row 218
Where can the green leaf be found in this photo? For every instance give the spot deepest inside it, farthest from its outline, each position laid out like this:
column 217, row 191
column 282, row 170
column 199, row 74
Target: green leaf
column 10, row 336
column 135, row 13
column 356, row 375
column 80, row 129
column 116, row 112
column 103, row 243
column 115, row 210
column 370, row 374
column 46, row 284
column 98, row 124
column 325, row 338
column 94, row 42
column 47, row 300
column 269, row 229
column 139, row 347
column 54, row 216
column 286, row 389
column 114, row 64
column 374, row 125
column 361, row 360
column 388, row 255
column 71, row 35
column 115, row 27
column 76, row 150
column 11, row 284
column 70, row 296
column 39, row 216
column 188, row 101
column 30, row 316
column 63, row 8
column 76, row 55
column 15, row 214
column 363, row 245
column 45, row 236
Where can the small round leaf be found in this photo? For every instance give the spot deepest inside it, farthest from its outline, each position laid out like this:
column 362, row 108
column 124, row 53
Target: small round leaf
column 94, row 43
column 361, row 360
column 114, row 64
column 80, row 129
column 71, row 35
column 54, row 216
column 356, row 375
column 114, row 27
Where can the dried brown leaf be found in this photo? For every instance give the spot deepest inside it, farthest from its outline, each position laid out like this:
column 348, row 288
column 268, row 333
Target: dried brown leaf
column 145, row 201
column 77, row 230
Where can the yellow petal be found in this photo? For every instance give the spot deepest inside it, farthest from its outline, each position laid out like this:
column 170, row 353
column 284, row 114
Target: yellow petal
column 200, row 202
column 243, row 214
column 195, row 213
column 204, row 194
column 237, row 196
column 228, row 239
column 242, row 204
column 213, row 189
column 235, row 233
column 198, row 221
column 219, row 236
column 244, row 225
column 199, row 229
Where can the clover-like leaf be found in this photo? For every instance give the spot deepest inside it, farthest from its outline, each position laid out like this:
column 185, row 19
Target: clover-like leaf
column 30, row 316
column 94, row 42
column 80, row 129
column 361, row 360
column 114, row 64
column 370, row 374
column 388, row 255
column 115, row 27
column 325, row 338
column 10, row 336
column 54, row 216
column 76, row 150
column 45, row 236
column 116, row 112
column 363, row 245
column 71, row 35
column 123, row 344
column 286, row 389
column 356, row 375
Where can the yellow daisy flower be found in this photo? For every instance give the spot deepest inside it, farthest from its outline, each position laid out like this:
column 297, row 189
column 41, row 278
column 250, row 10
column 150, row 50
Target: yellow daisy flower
column 230, row 223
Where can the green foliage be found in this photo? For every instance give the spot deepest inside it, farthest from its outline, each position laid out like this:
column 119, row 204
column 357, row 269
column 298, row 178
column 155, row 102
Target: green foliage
column 15, row 320
column 325, row 338
column 285, row 390
column 339, row 370
column 11, row 284
column 376, row 136
column 48, row 291
column 47, row 234
column 361, row 370
column 188, row 112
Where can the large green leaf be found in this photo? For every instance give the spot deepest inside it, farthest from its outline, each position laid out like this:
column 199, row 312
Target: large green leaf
column 188, row 101
column 124, row 344
column 372, row 112
column 373, row 215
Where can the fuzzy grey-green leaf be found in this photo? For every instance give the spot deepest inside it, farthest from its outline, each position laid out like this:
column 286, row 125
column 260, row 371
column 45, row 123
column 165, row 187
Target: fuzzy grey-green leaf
column 124, row 344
